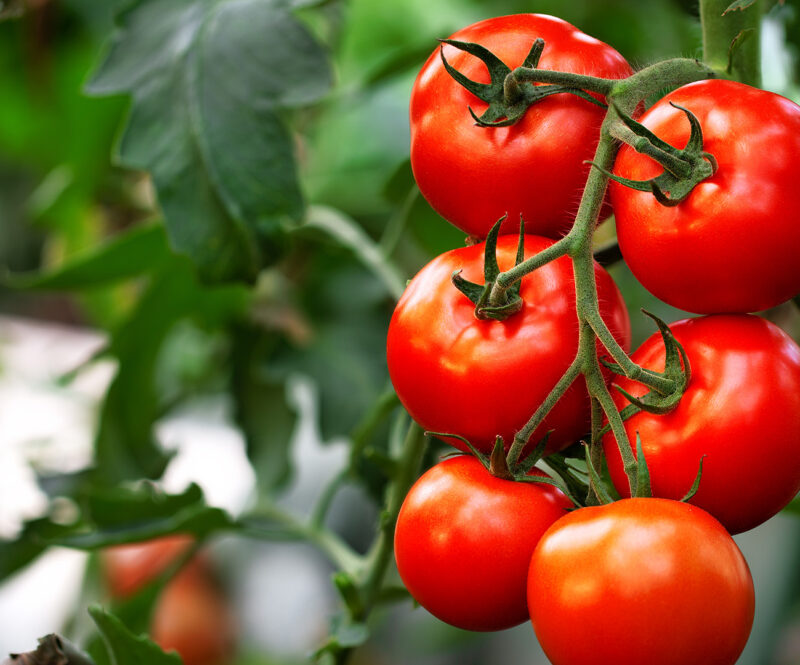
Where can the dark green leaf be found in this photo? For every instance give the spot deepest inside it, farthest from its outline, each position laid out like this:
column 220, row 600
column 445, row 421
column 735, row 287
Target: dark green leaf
column 18, row 553
column 125, row 648
column 208, row 82
column 261, row 409
column 128, row 255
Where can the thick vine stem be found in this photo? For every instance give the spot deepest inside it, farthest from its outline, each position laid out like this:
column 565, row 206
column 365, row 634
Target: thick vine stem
column 731, row 40
column 625, row 96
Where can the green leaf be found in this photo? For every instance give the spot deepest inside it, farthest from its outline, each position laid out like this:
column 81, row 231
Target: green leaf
column 127, row 255
column 793, row 508
column 18, row 553
column 208, row 82
column 125, row 648
column 261, row 408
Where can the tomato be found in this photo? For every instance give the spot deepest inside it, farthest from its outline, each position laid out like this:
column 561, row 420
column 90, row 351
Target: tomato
column 192, row 615
column 128, row 568
column 640, row 581
column 464, row 540
column 473, row 175
column 741, row 410
column 732, row 245
column 478, row 378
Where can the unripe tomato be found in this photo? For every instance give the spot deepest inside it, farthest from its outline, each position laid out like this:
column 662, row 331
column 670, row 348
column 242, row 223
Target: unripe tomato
column 473, row 175
column 478, row 378
column 640, row 582
column 464, row 540
column 732, row 244
column 741, row 410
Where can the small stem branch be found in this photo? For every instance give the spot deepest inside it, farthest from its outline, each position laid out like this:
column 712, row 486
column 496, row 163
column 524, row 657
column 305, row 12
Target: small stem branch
column 589, row 83
column 380, row 555
column 506, row 279
column 741, row 62
column 631, row 369
column 521, row 437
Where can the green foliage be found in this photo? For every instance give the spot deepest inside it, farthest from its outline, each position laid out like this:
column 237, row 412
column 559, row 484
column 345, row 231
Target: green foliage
column 205, row 121
column 125, row 648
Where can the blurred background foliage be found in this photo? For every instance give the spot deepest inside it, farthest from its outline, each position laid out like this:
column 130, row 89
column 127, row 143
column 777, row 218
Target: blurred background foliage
column 269, row 284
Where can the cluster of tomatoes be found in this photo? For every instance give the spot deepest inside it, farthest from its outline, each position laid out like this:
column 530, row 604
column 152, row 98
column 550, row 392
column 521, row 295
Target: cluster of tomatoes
column 192, row 616
column 653, row 580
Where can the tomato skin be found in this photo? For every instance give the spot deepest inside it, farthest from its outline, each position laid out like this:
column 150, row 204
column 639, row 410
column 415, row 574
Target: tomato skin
column 479, row 379
column 741, row 410
column 192, row 615
column 732, row 245
column 640, row 582
column 464, row 540
column 473, row 175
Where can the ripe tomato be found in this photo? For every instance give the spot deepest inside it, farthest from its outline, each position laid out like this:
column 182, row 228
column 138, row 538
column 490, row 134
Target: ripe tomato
column 640, row 581
column 464, row 540
column 128, row 568
column 473, row 175
column 741, row 410
column 192, row 615
column 477, row 378
column 732, row 245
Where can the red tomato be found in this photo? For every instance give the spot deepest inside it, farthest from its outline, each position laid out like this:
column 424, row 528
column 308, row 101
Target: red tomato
column 741, row 410
column 473, row 175
column 192, row 615
column 128, row 568
column 640, row 581
column 479, row 379
column 732, row 245
column 464, row 540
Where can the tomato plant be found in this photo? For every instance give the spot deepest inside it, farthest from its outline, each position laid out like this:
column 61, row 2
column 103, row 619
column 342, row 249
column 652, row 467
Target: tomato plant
column 464, row 540
column 646, row 581
column 740, row 413
column 481, row 379
column 731, row 245
column 473, row 175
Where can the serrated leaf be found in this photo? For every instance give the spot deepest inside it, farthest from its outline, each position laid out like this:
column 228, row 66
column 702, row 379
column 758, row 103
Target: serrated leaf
column 125, row 648
column 132, row 253
column 208, row 81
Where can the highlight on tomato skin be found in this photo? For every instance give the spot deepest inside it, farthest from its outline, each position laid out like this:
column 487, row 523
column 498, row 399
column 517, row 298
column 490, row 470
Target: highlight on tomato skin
column 740, row 414
column 192, row 615
column 464, row 539
column 483, row 378
column 640, row 581
column 473, row 175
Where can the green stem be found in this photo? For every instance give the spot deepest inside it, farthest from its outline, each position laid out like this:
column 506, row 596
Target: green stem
column 743, row 62
column 380, row 555
column 590, row 83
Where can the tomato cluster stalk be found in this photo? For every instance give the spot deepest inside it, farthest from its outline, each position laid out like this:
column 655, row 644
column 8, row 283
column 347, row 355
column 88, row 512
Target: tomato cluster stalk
column 683, row 169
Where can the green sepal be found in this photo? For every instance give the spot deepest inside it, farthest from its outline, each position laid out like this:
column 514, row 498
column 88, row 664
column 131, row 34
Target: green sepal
column 481, row 457
column 508, row 98
column 596, row 484
column 683, row 169
column 498, row 466
column 676, row 368
column 479, row 293
column 643, row 488
column 696, row 484
column 348, row 590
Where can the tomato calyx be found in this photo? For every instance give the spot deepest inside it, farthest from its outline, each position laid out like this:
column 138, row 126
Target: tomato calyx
column 676, row 368
column 480, row 294
column 683, row 169
column 499, row 464
column 511, row 92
